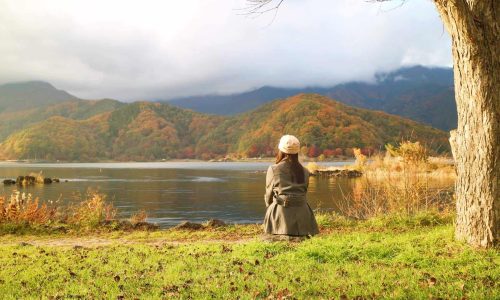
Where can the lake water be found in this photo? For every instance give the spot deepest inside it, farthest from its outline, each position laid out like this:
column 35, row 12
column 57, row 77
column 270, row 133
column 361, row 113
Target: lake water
column 171, row 192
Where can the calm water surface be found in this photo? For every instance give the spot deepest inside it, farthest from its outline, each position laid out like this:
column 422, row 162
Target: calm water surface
column 171, row 192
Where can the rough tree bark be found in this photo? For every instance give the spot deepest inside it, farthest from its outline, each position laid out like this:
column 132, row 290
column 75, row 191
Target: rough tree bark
column 474, row 29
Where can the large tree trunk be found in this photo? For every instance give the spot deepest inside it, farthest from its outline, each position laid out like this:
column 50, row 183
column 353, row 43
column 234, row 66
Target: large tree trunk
column 474, row 29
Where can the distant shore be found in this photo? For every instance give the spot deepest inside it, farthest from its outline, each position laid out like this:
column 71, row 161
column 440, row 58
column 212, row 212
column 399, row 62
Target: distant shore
column 263, row 159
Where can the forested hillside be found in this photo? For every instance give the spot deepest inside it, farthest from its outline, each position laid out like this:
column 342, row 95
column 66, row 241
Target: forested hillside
column 324, row 126
column 109, row 130
column 11, row 122
column 137, row 131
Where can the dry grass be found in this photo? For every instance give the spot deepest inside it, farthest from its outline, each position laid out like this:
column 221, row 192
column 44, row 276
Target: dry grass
column 22, row 208
column 139, row 217
column 361, row 159
column 408, row 195
column 23, row 213
column 38, row 177
column 91, row 212
column 405, row 182
column 410, row 152
column 313, row 167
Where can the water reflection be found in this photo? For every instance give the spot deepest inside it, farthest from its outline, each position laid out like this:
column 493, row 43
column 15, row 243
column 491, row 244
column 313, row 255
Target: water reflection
column 174, row 192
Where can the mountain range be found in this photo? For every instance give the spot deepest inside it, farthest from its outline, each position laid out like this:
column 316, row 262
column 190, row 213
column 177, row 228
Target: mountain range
column 419, row 93
column 24, row 95
column 38, row 121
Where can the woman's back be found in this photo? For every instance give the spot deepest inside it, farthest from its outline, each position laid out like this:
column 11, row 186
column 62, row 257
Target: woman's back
column 286, row 180
column 288, row 212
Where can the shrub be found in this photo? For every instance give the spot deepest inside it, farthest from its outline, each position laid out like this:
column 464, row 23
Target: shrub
column 91, row 212
column 409, row 152
column 138, row 218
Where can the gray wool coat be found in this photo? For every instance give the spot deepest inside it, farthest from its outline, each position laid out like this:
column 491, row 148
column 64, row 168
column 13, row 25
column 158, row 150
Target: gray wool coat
column 287, row 209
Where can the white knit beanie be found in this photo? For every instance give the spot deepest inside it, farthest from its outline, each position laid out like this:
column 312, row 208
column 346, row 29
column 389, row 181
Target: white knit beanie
column 289, row 144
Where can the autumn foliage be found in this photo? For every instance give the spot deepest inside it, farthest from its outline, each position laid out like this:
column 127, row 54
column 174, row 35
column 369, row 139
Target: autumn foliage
column 146, row 131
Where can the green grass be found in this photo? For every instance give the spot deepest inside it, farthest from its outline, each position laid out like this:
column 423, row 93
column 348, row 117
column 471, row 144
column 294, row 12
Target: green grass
column 368, row 260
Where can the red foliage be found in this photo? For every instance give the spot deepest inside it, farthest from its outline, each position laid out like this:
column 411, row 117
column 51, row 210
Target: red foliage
column 313, row 151
column 188, row 153
column 367, row 151
column 253, row 151
column 329, row 153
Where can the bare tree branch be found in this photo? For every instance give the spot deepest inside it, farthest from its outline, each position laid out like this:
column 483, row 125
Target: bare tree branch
column 259, row 7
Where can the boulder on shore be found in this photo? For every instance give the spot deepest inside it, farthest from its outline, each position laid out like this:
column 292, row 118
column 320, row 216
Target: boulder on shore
column 189, row 226
column 214, row 223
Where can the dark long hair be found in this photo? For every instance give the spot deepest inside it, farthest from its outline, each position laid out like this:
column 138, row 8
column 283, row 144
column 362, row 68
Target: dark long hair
column 296, row 167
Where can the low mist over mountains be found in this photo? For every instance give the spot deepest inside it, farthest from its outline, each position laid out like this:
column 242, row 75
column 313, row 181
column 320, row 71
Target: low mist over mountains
column 419, row 93
column 38, row 121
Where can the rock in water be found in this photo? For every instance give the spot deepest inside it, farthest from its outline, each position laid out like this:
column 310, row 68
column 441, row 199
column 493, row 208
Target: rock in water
column 9, row 182
column 30, row 180
column 19, row 180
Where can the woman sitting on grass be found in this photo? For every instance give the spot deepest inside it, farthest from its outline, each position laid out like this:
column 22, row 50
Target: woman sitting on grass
column 286, row 186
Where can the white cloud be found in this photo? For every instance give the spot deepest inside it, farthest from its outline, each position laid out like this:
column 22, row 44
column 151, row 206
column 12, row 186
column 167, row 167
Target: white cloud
column 163, row 48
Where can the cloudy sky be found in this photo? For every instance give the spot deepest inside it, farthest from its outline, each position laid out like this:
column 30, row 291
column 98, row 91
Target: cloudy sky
column 148, row 49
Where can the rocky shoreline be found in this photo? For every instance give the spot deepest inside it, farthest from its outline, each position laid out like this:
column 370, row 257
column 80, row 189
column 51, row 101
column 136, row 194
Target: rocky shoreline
column 337, row 173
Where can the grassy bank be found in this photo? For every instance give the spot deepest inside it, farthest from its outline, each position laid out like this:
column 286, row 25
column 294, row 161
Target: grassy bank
column 382, row 258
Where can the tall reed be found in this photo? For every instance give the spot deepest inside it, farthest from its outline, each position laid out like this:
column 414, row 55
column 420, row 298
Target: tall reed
column 404, row 181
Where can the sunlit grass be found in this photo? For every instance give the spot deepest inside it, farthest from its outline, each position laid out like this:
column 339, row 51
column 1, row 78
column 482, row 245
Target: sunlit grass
column 419, row 262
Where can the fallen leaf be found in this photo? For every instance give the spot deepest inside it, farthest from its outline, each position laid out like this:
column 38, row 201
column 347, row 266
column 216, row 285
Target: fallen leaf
column 226, row 249
column 432, row 281
column 237, row 262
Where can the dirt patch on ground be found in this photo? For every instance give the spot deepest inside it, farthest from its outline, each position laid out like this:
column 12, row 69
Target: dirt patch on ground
column 76, row 242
